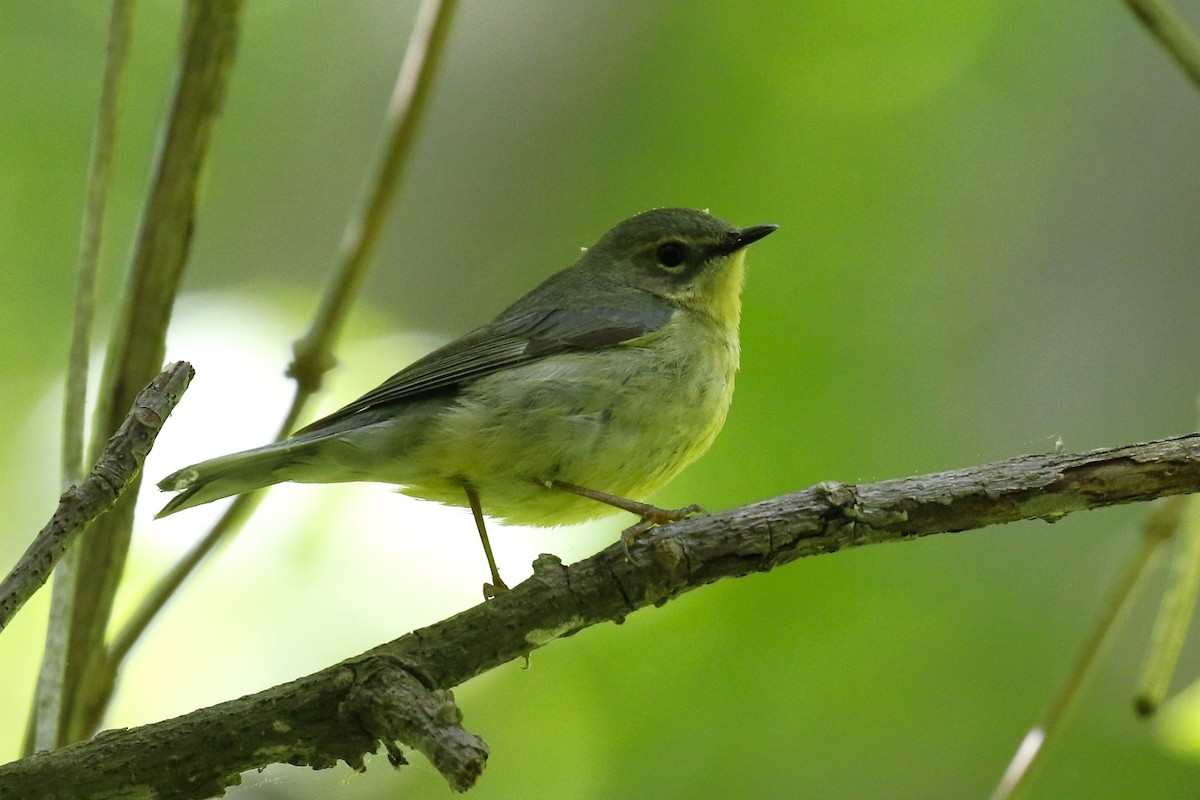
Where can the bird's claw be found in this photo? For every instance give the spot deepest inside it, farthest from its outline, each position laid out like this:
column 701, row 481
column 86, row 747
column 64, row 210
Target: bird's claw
column 656, row 516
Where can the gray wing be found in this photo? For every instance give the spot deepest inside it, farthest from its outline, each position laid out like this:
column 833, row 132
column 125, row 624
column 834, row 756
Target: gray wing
column 507, row 342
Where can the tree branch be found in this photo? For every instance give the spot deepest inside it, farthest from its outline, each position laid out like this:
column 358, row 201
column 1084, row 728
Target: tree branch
column 342, row 711
column 80, row 505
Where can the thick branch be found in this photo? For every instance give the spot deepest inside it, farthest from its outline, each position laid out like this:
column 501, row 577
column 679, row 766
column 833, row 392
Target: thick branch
column 80, row 505
column 324, row 717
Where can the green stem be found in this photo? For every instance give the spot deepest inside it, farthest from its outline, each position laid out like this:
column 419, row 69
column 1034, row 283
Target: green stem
column 47, row 704
column 137, row 345
column 314, row 350
column 1174, row 616
column 1168, row 27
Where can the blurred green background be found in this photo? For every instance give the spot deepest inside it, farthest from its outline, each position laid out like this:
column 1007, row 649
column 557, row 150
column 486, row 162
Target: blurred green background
column 988, row 243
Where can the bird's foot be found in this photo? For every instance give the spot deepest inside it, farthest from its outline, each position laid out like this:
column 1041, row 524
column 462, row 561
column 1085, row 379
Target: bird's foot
column 651, row 516
column 493, row 590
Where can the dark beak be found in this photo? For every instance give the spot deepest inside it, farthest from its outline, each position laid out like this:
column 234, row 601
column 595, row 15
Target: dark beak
column 737, row 239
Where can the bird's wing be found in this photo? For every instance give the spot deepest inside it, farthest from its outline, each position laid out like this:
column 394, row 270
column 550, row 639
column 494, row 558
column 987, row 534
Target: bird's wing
column 519, row 339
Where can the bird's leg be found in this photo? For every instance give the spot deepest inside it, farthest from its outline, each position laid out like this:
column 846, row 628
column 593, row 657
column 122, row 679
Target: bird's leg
column 650, row 515
column 497, row 587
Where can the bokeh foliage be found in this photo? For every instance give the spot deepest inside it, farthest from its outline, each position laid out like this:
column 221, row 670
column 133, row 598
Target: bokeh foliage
column 988, row 244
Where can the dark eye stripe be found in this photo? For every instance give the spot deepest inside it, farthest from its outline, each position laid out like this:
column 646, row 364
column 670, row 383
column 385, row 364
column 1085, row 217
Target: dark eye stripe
column 671, row 255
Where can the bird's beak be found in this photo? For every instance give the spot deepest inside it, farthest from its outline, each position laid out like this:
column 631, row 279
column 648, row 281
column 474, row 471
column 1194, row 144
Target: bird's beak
column 737, row 239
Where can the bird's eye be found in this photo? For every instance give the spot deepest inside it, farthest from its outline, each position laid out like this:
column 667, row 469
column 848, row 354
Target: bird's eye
column 671, row 254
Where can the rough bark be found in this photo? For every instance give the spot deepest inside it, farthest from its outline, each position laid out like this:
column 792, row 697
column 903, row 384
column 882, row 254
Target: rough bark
column 398, row 692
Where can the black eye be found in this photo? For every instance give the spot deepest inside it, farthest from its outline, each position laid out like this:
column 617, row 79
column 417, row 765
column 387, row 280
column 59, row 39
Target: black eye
column 671, row 254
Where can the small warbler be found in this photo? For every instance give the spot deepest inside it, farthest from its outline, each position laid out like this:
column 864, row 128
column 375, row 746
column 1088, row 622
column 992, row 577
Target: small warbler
column 584, row 396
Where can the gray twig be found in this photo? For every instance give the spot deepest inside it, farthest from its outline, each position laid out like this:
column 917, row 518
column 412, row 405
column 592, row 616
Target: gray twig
column 112, row 474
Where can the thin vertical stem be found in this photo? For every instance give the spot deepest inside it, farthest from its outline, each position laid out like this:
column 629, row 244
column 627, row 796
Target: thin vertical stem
column 314, row 350
column 1175, row 37
column 48, row 697
column 1174, row 615
column 137, row 345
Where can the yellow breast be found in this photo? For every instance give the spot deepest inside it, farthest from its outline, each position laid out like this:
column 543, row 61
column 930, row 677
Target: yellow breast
column 622, row 420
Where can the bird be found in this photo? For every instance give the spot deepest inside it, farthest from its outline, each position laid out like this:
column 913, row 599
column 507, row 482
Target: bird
column 583, row 397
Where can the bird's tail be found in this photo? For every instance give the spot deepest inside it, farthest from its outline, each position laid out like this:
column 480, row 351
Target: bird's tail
column 228, row 475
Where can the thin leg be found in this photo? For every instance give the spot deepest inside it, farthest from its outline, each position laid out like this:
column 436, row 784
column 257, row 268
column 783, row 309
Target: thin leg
column 497, row 586
column 650, row 515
